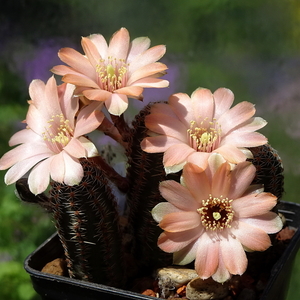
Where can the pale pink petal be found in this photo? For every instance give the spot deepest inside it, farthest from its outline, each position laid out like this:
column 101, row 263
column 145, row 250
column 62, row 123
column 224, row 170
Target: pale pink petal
column 148, row 57
column 89, row 118
column 236, row 116
column 172, row 242
column 159, row 143
column 75, row 149
column 223, row 100
column 149, row 82
column 37, row 183
column 207, row 256
column 76, row 60
column 97, row 94
column 241, row 178
column 100, row 43
column 69, row 104
column 177, row 154
column 168, row 126
column 162, row 108
column 51, row 106
column 80, row 80
column 23, row 136
column 221, row 181
column 161, row 209
column 89, row 147
column 57, row 168
column 22, row 167
column 204, row 107
column 73, row 170
column 138, row 46
column 185, row 255
column 62, row 70
column 244, row 139
column 252, row 238
column 251, row 125
column 119, row 44
column 36, row 121
column 269, row 222
column 175, row 193
column 180, row 221
column 221, row 275
column 131, row 91
column 233, row 254
column 215, row 160
column 196, row 181
column 181, row 104
column 116, row 104
column 231, row 153
column 145, row 71
column 37, row 93
column 91, row 51
column 252, row 205
column 198, row 158
column 22, row 152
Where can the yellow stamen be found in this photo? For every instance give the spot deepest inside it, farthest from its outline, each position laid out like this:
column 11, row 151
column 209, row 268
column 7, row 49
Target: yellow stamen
column 216, row 213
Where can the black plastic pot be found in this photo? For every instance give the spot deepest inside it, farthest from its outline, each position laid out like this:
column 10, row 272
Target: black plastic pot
column 52, row 287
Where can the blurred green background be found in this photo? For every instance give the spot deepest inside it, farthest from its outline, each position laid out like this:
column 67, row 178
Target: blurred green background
column 251, row 47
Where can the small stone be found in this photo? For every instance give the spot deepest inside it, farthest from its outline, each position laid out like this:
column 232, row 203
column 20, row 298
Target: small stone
column 199, row 289
column 172, row 278
column 55, row 267
column 149, row 292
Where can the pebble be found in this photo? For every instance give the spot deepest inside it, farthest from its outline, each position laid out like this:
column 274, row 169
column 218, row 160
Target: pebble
column 208, row 289
column 173, row 277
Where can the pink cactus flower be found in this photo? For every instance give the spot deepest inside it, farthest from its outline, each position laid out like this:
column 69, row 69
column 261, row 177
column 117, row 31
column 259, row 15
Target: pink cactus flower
column 190, row 129
column 214, row 216
column 114, row 72
column 54, row 138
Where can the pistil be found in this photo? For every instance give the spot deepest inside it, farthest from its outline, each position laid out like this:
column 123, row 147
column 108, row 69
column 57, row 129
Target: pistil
column 216, row 213
column 112, row 73
column 58, row 133
column 204, row 138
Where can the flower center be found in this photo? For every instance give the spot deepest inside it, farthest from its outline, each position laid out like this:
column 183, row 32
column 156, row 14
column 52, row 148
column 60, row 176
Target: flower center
column 112, row 73
column 204, row 137
column 58, row 133
column 216, row 213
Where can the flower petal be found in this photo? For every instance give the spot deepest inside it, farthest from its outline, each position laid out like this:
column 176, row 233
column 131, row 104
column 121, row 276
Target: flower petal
column 76, row 60
column 119, row 44
column 237, row 115
column 37, row 183
column 233, row 255
column 204, row 107
column 269, row 222
column 252, row 205
column 252, row 238
column 161, row 209
column 159, row 143
column 180, row 221
column 241, row 178
column 223, row 100
column 172, row 242
column 196, row 181
column 116, row 104
column 175, row 193
column 207, row 257
column 80, row 80
column 176, row 154
column 73, row 170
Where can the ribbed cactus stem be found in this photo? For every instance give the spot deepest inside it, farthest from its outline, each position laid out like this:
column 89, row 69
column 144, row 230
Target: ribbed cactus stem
column 269, row 169
column 144, row 174
column 87, row 221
